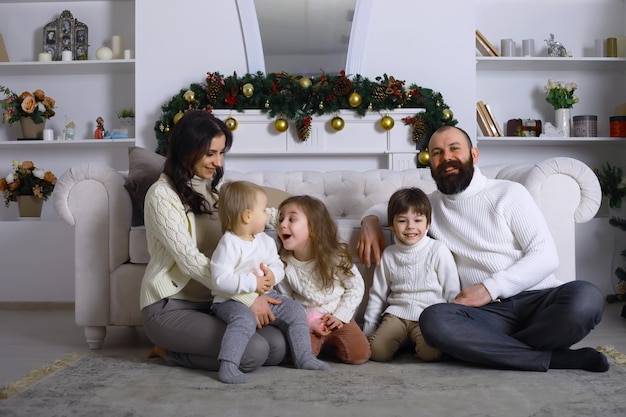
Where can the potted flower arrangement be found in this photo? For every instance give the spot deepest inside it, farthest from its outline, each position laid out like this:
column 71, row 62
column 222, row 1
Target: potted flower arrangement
column 27, row 182
column 30, row 109
column 613, row 185
column 561, row 96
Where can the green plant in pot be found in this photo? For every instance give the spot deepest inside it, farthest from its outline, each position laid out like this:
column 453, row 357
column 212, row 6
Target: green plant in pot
column 126, row 116
column 613, row 185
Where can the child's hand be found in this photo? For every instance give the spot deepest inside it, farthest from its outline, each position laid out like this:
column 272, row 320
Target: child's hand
column 316, row 325
column 264, row 282
column 332, row 322
column 268, row 274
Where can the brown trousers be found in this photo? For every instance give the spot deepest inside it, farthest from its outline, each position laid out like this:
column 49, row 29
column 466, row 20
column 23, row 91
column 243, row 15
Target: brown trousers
column 394, row 332
column 349, row 344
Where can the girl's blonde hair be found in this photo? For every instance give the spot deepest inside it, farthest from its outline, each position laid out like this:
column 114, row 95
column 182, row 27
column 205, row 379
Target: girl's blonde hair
column 330, row 253
column 235, row 197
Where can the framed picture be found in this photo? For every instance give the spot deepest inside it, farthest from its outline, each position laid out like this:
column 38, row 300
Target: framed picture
column 66, row 34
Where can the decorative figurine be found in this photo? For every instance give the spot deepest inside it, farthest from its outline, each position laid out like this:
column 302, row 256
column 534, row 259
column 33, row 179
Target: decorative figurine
column 99, row 133
column 69, row 133
column 556, row 49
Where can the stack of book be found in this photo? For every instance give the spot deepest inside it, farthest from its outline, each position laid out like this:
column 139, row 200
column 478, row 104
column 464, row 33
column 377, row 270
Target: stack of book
column 484, row 46
column 486, row 120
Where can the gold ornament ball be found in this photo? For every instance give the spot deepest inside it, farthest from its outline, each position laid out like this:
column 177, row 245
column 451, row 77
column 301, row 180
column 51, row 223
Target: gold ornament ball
column 231, row 123
column 305, row 82
column 267, row 104
column 337, row 123
column 387, row 122
column 447, row 114
column 177, row 116
column 247, row 90
column 189, row 96
column 321, row 105
column 281, row 125
column 355, row 99
column 424, row 157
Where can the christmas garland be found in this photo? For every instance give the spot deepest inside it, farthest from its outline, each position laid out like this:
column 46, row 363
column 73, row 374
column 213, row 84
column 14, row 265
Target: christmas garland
column 299, row 98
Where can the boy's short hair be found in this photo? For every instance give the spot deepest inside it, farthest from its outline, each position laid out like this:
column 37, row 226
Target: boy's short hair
column 409, row 199
column 235, row 197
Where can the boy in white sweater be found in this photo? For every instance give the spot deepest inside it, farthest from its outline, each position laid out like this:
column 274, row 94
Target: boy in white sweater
column 414, row 273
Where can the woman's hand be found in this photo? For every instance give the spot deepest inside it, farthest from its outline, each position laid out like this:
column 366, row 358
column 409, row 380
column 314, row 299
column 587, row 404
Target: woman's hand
column 371, row 241
column 262, row 311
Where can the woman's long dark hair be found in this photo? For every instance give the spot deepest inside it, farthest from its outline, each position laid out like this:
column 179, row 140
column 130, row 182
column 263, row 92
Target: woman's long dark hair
column 190, row 140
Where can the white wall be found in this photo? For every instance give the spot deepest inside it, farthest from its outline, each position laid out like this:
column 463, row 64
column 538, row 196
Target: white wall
column 427, row 43
column 177, row 44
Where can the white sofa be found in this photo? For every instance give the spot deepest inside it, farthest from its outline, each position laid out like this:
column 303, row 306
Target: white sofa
column 111, row 255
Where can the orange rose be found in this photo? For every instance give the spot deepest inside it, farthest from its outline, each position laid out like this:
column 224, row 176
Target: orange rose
column 49, row 177
column 49, row 102
column 39, row 95
column 29, row 104
column 25, row 94
column 28, row 165
column 3, row 184
column 14, row 185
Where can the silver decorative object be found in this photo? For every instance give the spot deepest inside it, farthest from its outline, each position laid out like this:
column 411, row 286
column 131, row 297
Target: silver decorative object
column 556, row 48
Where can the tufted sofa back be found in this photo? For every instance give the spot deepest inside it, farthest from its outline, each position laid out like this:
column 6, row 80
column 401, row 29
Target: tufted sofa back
column 346, row 194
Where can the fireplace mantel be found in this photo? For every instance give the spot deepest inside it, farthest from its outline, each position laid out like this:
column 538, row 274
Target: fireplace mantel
column 361, row 145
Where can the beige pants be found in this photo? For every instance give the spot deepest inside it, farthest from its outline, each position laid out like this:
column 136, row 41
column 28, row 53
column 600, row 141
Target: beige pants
column 394, row 332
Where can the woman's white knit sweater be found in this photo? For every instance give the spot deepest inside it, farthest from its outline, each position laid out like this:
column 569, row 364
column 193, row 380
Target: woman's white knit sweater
column 497, row 234
column 174, row 255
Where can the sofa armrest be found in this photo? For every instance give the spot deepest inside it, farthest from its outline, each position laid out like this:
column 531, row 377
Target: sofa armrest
column 92, row 198
column 536, row 178
column 567, row 192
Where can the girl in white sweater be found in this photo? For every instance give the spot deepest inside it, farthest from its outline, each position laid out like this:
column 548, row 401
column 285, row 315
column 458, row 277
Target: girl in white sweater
column 319, row 273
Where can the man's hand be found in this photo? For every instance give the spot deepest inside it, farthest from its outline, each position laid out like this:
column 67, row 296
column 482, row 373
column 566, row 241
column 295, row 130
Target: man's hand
column 261, row 310
column 371, row 241
column 474, row 296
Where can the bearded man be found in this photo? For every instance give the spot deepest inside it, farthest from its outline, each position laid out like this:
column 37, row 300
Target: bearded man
column 512, row 312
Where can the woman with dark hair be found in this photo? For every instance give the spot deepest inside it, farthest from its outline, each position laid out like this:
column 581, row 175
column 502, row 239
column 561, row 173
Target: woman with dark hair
column 182, row 229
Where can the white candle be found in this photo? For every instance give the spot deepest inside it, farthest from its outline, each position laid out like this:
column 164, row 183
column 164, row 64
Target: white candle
column 45, row 56
column 66, row 55
column 128, row 54
column 117, row 46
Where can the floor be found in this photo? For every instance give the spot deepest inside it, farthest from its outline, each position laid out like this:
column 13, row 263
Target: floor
column 33, row 338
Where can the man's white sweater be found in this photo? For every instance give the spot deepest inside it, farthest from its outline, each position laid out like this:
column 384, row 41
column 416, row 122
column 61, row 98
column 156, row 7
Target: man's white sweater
column 497, row 234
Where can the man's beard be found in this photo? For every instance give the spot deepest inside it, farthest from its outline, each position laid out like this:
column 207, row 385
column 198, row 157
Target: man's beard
column 454, row 183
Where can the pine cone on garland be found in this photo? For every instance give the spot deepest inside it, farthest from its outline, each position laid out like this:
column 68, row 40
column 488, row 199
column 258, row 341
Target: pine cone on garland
column 418, row 133
column 303, row 128
column 342, row 87
column 214, row 92
column 379, row 93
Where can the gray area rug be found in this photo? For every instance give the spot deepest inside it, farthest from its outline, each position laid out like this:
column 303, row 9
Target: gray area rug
column 98, row 385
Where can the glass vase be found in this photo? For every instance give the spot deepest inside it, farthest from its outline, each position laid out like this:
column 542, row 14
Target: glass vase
column 563, row 121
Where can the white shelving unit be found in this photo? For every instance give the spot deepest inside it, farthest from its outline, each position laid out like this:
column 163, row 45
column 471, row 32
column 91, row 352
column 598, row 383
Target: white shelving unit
column 83, row 90
column 514, row 86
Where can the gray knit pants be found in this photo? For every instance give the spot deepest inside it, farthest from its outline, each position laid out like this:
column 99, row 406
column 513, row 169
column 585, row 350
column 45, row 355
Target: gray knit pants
column 241, row 325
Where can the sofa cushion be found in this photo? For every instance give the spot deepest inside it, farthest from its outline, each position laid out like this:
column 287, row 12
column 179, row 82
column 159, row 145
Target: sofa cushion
column 144, row 168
